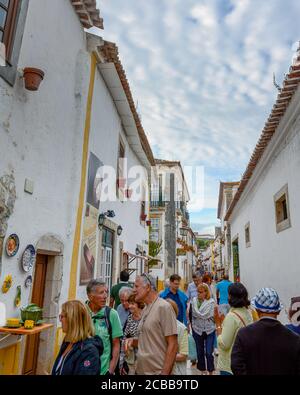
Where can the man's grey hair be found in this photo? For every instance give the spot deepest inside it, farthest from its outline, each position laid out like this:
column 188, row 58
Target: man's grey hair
column 125, row 290
column 97, row 282
column 147, row 278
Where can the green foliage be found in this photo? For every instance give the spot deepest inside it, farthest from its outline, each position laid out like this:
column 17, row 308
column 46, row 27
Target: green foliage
column 154, row 250
column 203, row 244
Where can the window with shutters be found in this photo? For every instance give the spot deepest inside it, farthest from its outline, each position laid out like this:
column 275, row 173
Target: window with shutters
column 12, row 23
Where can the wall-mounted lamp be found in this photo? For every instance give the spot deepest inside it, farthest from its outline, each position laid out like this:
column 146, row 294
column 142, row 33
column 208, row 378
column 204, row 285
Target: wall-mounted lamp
column 102, row 216
column 119, row 230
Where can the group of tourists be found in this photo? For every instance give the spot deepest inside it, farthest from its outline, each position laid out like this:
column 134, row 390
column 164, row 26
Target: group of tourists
column 249, row 337
column 149, row 333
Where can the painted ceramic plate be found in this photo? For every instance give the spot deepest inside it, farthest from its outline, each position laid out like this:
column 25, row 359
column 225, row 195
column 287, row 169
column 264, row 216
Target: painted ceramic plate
column 28, row 258
column 12, row 245
column 28, row 281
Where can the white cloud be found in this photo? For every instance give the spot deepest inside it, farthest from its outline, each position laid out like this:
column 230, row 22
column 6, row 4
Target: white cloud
column 203, row 74
column 204, row 14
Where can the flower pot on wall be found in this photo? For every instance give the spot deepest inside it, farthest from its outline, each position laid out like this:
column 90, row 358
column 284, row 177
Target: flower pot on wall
column 33, row 78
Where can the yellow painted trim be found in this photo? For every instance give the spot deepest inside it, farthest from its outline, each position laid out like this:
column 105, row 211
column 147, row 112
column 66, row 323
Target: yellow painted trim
column 85, row 151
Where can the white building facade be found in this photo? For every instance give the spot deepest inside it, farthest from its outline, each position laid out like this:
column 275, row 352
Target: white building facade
column 55, row 144
column 168, row 212
column 265, row 215
column 227, row 191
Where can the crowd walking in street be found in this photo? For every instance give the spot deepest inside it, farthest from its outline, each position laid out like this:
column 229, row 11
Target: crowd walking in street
column 154, row 333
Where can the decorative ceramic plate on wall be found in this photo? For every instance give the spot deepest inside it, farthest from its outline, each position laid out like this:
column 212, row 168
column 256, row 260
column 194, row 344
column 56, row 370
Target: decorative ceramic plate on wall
column 28, row 258
column 12, row 245
column 28, row 281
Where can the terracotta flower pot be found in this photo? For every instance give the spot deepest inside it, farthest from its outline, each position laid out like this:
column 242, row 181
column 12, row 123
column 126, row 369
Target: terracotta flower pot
column 33, row 78
column 143, row 217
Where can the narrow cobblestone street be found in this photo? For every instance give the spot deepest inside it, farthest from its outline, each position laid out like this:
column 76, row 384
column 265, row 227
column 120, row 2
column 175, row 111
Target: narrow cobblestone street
column 149, row 188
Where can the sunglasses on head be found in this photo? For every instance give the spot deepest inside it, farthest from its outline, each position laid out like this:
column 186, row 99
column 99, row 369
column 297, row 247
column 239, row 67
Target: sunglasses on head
column 147, row 277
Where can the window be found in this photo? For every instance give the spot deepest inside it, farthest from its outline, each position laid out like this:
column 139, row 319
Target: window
column 8, row 14
column 247, row 234
column 155, row 223
column 121, row 181
column 236, row 259
column 12, row 23
column 282, row 212
column 155, row 229
column 106, row 265
column 154, row 193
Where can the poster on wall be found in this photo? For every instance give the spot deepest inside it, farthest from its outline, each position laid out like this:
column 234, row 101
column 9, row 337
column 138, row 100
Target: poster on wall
column 88, row 247
column 94, row 181
column 89, row 231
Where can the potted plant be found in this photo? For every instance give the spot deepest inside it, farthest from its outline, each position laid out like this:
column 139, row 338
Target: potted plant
column 32, row 78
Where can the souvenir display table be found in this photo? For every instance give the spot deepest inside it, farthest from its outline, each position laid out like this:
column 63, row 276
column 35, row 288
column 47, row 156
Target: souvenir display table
column 23, row 331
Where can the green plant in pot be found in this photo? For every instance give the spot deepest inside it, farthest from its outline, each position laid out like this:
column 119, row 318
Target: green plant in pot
column 32, row 312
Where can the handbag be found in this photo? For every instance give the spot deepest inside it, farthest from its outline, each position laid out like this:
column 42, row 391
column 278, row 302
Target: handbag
column 192, row 348
column 243, row 322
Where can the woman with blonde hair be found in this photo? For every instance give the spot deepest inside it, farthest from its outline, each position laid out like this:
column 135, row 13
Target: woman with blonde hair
column 203, row 326
column 80, row 351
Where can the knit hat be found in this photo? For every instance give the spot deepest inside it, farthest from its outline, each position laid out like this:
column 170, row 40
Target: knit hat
column 267, row 301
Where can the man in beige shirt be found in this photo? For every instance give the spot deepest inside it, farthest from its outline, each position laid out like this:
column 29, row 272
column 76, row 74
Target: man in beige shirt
column 157, row 331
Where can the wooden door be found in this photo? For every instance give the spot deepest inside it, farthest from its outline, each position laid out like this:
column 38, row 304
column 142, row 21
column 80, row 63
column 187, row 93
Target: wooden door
column 236, row 260
column 32, row 342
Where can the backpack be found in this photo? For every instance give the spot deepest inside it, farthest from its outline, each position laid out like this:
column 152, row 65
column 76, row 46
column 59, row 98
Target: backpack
column 109, row 328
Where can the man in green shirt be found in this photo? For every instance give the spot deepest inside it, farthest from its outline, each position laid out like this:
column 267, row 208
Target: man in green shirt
column 97, row 294
column 114, row 293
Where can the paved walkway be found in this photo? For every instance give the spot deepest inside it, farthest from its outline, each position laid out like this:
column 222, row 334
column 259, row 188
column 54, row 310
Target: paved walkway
column 193, row 371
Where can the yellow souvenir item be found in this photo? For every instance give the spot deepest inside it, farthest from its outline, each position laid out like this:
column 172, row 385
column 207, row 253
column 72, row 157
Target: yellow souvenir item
column 7, row 283
column 29, row 324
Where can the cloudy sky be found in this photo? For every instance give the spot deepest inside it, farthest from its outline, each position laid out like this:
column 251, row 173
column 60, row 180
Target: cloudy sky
column 201, row 73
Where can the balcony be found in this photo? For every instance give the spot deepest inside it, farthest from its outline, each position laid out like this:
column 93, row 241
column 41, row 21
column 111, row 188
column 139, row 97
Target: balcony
column 157, row 204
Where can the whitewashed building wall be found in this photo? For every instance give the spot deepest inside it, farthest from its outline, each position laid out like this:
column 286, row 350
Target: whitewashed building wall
column 272, row 260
